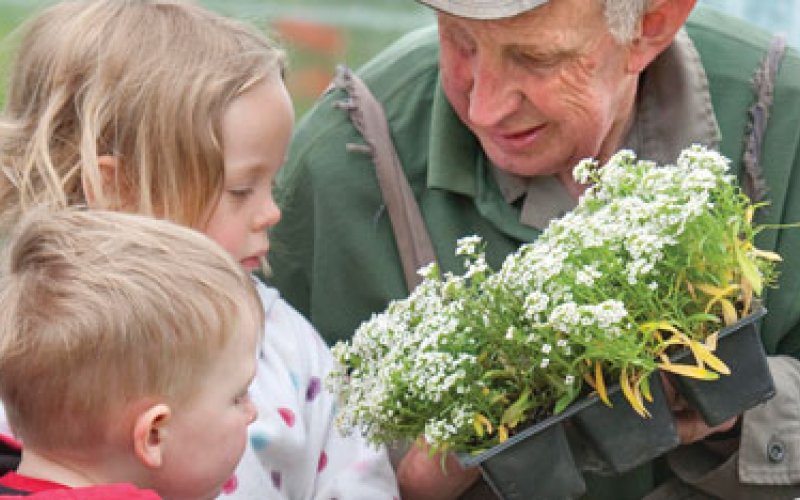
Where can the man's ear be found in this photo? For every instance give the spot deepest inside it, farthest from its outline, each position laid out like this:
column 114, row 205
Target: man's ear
column 149, row 433
column 108, row 190
column 657, row 29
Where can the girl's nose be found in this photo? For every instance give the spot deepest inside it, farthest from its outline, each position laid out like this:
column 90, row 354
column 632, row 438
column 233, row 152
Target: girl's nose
column 267, row 217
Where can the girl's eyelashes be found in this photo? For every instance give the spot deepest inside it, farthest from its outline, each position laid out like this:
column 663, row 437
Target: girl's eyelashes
column 240, row 192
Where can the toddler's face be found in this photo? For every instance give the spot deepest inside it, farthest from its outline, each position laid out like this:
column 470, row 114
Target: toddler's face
column 207, row 435
column 256, row 129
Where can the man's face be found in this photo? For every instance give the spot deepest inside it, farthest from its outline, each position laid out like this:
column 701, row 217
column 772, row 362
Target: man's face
column 542, row 90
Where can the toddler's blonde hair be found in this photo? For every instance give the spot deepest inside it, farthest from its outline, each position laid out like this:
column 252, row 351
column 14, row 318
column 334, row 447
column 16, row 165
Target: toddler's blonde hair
column 144, row 81
column 99, row 309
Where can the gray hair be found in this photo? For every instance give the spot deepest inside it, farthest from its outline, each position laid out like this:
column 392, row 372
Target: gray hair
column 622, row 17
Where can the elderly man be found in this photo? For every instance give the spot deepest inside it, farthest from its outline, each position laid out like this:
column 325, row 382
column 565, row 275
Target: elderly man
column 488, row 115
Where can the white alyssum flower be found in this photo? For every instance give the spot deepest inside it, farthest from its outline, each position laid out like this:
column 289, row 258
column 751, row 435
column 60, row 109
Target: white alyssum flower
column 467, row 343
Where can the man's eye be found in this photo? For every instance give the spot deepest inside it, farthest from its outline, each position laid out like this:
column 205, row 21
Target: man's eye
column 536, row 61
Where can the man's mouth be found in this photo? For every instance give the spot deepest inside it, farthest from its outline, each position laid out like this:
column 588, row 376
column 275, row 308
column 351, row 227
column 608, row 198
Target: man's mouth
column 518, row 140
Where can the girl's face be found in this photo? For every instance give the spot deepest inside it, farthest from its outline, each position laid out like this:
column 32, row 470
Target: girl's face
column 256, row 129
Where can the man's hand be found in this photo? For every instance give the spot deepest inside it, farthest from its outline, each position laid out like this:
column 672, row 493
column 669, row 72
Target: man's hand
column 691, row 426
column 422, row 478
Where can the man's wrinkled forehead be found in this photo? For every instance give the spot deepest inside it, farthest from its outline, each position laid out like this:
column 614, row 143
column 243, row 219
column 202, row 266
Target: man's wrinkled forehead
column 483, row 9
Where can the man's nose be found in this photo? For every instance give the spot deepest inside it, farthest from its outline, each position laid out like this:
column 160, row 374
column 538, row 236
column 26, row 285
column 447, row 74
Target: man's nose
column 494, row 94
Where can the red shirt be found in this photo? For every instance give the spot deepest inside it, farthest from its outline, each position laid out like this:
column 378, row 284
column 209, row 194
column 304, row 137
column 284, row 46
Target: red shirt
column 47, row 490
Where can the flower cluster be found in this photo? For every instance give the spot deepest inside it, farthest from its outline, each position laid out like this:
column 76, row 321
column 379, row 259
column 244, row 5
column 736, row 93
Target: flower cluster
column 651, row 258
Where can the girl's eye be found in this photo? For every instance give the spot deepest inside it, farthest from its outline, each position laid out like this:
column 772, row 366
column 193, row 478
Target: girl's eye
column 240, row 192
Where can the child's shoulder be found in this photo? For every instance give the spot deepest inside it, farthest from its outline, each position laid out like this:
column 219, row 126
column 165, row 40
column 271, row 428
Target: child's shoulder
column 284, row 324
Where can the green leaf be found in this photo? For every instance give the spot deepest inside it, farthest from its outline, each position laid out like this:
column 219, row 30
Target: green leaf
column 516, row 411
column 702, row 317
column 563, row 402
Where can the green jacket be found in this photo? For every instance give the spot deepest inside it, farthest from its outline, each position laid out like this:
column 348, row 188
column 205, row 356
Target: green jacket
column 334, row 256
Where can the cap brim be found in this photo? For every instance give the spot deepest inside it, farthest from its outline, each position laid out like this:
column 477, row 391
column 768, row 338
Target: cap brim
column 484, row 9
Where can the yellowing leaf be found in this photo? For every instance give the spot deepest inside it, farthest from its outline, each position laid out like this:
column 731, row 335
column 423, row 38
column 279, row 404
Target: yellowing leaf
column 636, row 403
column 748, row 214
column 749, row 271
column 701, row 353
column 638, row 395
column 711, row 341
column 689, row 371
column 601, row 384
column 589, row 380
column 479, row 422
column 747, row 297
column 728, row 312
column 478, row 427
column 645, row 385
column 690, row 287
column 716, row 291
column 652, row 326
column 502, row 434
column 767, row 255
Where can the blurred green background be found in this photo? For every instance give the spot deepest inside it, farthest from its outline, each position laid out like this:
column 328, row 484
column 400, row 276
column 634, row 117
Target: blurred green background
column 319, row 34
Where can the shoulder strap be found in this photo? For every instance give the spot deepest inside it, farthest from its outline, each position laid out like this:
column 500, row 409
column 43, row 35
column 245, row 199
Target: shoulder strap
column 763, row 86
column 410, row 232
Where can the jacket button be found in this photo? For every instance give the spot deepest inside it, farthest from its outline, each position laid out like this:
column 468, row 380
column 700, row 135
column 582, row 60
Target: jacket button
column 776, row 451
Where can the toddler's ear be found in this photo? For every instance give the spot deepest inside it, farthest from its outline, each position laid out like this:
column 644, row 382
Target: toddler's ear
column 148, row 434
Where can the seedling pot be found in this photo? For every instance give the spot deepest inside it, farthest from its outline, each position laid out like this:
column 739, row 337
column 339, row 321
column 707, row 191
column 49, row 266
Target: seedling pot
column 622, row 437
column 749, row 383
column 535, row 464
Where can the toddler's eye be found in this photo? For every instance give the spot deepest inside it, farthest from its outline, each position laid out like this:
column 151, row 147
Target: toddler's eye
column 242, row 398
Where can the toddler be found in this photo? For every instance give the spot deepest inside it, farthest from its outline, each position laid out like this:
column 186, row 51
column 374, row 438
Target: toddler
column 83, row 299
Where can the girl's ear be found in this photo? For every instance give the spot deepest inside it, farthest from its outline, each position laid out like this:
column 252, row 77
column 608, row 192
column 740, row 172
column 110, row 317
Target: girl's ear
column 657, row 30
column 149, row 432
column 108, row 191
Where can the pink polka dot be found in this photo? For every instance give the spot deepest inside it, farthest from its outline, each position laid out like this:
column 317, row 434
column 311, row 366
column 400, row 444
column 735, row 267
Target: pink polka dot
column 230, row 485
column 323, row 462
column 362, row 466
column 287, row 415
column 313, row 389
column 277, row 479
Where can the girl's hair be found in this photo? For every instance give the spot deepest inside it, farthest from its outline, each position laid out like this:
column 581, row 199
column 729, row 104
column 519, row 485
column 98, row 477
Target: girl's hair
column 144, row 81
column 99, row 309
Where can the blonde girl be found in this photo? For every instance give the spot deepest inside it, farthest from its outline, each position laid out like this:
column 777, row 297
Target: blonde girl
column 161, row 107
